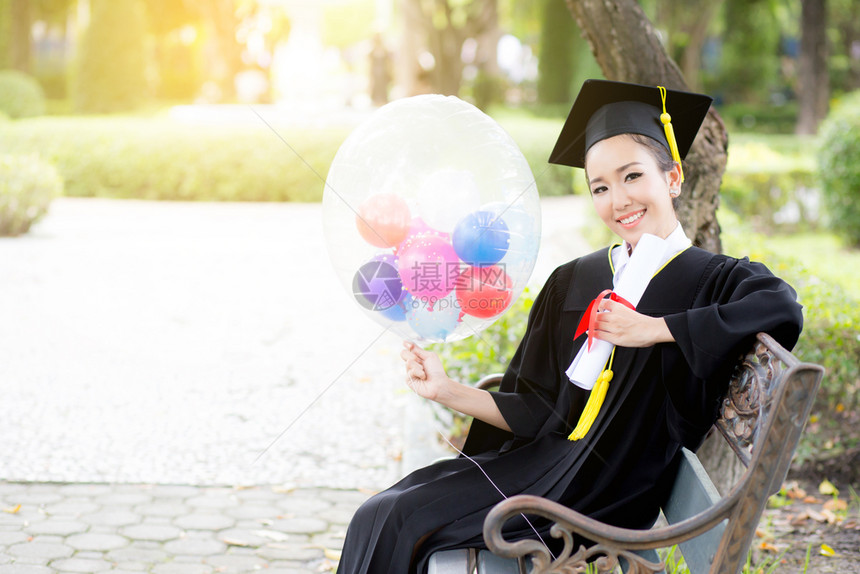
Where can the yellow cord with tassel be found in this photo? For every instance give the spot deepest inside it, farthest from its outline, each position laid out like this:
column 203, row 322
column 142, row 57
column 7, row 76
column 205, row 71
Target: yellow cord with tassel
column 666, row 119
column 595, row 401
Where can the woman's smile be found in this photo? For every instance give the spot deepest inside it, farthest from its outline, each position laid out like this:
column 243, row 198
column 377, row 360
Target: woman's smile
column 631, row 219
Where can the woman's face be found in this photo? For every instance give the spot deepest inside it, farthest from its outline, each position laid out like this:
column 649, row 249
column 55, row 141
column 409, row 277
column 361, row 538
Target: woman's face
column 629, row 190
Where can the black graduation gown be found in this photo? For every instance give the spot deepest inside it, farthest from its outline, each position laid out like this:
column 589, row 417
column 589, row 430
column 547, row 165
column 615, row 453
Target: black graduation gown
column 660, row 399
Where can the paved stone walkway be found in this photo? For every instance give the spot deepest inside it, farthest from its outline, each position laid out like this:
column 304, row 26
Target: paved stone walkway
column 168, row 529
column 186, row 388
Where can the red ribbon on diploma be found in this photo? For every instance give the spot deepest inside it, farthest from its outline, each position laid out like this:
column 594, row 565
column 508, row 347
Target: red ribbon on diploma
column 589, row 318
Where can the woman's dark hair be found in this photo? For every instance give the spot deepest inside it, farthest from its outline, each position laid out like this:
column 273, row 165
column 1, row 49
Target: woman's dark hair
column 660, row 154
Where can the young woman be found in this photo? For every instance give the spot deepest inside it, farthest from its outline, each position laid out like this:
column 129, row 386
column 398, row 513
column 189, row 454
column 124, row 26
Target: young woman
column 671, row 363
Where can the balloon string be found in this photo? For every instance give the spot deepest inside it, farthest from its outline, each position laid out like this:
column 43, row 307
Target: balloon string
column 496, row 487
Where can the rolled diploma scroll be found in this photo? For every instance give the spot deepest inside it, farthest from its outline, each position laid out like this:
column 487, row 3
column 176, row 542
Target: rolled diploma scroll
column 644, row 263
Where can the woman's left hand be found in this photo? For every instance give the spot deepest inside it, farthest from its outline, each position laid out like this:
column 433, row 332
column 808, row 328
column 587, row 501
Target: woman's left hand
column 624, row 327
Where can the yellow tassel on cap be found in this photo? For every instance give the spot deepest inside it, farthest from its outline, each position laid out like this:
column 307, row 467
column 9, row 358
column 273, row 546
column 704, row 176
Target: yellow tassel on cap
column 595, row 401
column 666, row 119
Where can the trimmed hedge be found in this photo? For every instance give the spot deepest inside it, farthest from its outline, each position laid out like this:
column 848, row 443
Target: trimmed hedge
column 27, row 187
column 772, row 183
column 21, row 96
column 147, row 158
column 144, row 158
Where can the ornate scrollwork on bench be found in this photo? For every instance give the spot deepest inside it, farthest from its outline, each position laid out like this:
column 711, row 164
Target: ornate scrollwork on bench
column 749, row 396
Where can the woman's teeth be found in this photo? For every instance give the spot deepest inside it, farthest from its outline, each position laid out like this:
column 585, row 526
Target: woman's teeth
column 632, row 218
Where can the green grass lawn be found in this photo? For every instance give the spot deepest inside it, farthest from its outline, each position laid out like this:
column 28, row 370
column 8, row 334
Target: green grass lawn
column 824, row 255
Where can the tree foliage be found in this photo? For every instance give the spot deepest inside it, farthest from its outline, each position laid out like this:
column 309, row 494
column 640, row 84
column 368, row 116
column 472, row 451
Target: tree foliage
column 750, row 51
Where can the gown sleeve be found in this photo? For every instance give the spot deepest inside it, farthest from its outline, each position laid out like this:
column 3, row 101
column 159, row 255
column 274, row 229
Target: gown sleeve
column 738, row 300
column 529, row 389
column 741, row 298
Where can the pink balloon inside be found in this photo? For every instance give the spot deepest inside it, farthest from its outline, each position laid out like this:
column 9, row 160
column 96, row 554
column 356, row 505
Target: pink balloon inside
column 429, row 266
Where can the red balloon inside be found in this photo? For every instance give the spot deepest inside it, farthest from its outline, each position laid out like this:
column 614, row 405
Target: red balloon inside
column 484, row 292
column 383, row 219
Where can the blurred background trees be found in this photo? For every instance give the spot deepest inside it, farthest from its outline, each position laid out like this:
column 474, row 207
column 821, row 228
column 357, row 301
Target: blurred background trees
column 774, row 64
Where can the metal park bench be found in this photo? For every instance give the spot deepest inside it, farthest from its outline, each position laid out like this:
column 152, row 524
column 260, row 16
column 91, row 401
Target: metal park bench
column 762, row 415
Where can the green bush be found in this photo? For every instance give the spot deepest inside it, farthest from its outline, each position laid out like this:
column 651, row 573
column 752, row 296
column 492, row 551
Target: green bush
column 145, row 158
column 157, row 158
column 20, row 95
column 839, row 166
column 27, row 186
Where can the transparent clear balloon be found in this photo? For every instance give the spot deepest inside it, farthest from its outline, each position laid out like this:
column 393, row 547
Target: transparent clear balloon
column 431, row 218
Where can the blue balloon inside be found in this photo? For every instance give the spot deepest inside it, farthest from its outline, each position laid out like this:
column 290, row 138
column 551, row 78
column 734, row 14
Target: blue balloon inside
column 433, row 320
column 481, row 238
column 397, row 312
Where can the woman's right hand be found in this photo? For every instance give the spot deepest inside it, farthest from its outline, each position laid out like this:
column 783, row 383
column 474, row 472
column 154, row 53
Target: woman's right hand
column 425, row 374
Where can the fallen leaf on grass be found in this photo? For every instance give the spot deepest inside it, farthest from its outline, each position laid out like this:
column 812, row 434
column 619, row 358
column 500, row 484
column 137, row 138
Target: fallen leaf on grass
column 811, row 500
column 795, row 493
column 763, row 533
column 13, row 510
column 799, row 519
column 827, row 488
column 836, row 504
column 829, row 516
column 816, row 516
column 827, row 550
column 768, row 547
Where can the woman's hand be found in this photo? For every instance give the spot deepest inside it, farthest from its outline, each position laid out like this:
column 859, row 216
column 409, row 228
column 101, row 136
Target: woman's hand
column 424, row 372
column 426, row 376
column 624, row 327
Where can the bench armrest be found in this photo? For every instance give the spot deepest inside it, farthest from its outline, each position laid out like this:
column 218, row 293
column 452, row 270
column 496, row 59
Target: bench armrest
column 612, row 542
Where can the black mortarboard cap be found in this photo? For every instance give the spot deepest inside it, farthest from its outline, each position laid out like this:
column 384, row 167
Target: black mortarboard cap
column 604, row 109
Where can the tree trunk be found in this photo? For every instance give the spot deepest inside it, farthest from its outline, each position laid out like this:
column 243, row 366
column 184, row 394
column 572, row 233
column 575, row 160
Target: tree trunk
column 556, row 57
column 488, row 38
column 220, row 16
column 407, row 69
column 19, row 44
column 626, row 45
column 446, row 44
column 813, row 80
column 691, row 57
